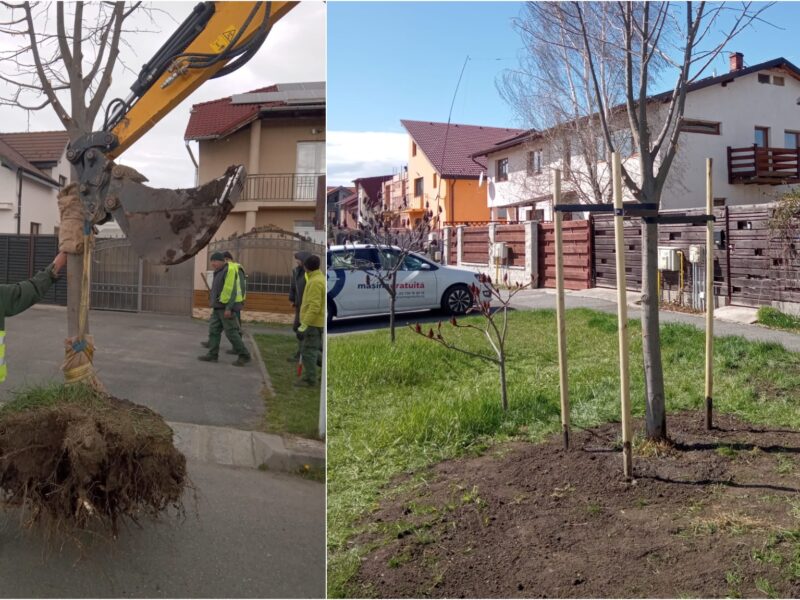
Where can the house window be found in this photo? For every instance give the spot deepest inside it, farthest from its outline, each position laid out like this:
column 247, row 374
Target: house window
column 502, row 169
column 777, row 80
column 62, row 181
column 35, row 228
column 538, row 214
column 719, row 202
column 763, row 78
column 413, row 149
column 434, row 181
column 791, row 139
column 534, row 162
column 698, row 126
column 419, row 186
column 761, row 137
column 501, row 214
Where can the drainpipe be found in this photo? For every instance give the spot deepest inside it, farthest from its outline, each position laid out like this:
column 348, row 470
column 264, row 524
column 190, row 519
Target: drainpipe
column 452, row 195
column 196, row 167
column 19, row 200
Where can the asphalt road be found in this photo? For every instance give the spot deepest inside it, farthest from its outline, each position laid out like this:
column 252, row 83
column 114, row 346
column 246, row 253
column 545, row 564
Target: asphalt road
column 252, row 535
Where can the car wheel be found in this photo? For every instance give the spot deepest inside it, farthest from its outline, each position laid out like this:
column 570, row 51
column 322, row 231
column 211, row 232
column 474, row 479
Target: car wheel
column 457, row 300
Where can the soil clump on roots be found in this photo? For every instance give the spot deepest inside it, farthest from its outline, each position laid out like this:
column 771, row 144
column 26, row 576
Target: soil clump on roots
column 72, row 458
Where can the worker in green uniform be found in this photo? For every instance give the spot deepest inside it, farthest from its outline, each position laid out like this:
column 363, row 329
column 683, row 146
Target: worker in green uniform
column 17, row 297
column 312, row 320
column 226, row 298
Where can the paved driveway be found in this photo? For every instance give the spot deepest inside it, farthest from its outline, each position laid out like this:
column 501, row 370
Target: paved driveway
column 148, row 359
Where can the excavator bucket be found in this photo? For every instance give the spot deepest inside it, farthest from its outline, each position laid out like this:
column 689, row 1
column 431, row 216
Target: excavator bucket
column 170, row 226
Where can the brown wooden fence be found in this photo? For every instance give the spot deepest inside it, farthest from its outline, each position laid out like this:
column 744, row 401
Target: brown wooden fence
column 475, row 242
column 514, row 237
column 577, row 240
column 753, row 265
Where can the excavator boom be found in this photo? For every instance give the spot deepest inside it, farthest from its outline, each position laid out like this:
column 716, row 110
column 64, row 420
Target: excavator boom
column 163, row 225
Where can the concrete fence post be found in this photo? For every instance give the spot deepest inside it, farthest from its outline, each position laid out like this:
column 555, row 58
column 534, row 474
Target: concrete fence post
column 446, row 241
column 532, row 251
column 492, row 238
column 460, row 247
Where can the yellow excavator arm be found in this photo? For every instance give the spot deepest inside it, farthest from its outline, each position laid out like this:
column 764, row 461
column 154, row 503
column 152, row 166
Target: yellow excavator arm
column 163, row 225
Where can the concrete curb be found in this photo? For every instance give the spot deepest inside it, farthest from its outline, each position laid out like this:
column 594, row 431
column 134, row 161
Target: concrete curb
column 262, row 367
column 251, row 449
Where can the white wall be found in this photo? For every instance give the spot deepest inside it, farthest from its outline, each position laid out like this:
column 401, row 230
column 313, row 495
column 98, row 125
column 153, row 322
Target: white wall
column 740, row 106
column 39, row 204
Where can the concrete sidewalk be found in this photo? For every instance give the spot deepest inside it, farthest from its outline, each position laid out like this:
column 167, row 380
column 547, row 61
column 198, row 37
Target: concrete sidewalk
column 734, row 321
column 148, row 359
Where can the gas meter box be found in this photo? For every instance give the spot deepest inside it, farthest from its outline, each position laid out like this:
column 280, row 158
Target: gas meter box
column 697, row 254
column 667, row 259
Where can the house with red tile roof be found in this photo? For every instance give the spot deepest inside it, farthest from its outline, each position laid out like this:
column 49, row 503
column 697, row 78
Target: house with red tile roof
column 443, row 175
column 278, row 133
column 33, row 167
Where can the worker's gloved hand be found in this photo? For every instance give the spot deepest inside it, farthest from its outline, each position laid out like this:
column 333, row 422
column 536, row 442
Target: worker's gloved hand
column 302, row 328
column 228, row 314
column 59, row 262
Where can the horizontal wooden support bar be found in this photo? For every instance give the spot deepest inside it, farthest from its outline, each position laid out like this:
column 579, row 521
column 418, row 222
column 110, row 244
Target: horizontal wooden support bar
column 687, row 219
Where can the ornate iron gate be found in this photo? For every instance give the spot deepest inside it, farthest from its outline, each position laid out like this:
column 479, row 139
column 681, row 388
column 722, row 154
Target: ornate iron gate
column 123, row 281
column 267, row 255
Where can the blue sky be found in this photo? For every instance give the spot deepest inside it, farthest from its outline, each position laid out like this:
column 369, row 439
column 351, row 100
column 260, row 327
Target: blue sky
column 393, row 60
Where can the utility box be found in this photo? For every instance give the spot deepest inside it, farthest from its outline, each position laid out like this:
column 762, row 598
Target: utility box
column 697, row 254
column 667, row 259
column 499, row 252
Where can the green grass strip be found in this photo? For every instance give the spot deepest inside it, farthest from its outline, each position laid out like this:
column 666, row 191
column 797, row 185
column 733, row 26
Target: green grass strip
column 290, row 410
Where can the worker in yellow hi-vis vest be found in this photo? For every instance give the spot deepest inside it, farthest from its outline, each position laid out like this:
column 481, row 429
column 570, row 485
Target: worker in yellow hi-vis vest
column 17, row 297
column 226, row 298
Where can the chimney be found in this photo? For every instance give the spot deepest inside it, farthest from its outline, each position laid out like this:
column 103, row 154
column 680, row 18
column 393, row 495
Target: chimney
column 736, row 61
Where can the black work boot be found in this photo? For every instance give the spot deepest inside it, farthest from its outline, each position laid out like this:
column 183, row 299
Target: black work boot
column 241, row 361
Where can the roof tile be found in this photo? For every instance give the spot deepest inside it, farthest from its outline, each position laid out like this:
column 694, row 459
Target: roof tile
column 455, row 159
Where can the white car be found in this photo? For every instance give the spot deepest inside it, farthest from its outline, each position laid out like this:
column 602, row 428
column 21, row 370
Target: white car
column 421, row 283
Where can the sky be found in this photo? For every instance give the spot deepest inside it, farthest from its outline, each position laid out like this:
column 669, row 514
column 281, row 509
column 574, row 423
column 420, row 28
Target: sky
column 294, row 51
column 401, row 60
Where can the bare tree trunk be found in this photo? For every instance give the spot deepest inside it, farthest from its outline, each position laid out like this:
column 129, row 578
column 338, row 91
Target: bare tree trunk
column 655, row 414
column 503, row 386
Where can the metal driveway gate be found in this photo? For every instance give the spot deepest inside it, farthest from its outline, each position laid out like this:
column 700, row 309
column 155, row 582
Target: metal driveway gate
column 123, row 281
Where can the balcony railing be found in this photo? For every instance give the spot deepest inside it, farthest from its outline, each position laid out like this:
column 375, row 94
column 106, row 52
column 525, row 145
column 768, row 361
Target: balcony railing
column 770, row 166
column 284, row 187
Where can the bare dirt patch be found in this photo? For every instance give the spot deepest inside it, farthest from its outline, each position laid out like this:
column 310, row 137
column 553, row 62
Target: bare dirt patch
column 714, row 514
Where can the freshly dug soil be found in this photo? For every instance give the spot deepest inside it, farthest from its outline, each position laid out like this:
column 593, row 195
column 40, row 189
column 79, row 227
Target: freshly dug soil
column 714, row 514
column 71, row 464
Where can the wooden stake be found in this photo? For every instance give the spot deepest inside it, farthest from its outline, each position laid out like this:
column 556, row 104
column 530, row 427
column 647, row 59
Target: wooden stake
column 622, row 319
column 562, row 339
column 709, row 298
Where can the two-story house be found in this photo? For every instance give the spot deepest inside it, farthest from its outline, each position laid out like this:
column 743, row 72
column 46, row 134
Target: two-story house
column 333, row 198
column 33, row 167
column 278, row 134
column 443, row 175
column 747, row 120
column 369, row 196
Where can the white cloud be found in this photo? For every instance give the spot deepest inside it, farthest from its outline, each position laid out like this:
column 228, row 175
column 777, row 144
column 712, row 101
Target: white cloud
column 294, row 51
column 353, row 154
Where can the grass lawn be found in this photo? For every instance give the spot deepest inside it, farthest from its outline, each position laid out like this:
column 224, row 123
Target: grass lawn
column 291, row 410
column 772, row 317
column 395, row 409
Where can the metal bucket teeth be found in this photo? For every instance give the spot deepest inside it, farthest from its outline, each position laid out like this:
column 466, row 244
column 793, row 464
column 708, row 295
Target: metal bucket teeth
column 170, row 226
